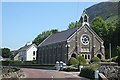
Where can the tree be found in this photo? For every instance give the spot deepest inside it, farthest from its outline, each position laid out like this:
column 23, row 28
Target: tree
column 73, row 24
column 100, row 27
column 108, row 32
column 6, row 52
column 44, row 35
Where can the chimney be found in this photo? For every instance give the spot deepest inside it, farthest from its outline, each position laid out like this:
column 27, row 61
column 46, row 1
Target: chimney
column 29, row 43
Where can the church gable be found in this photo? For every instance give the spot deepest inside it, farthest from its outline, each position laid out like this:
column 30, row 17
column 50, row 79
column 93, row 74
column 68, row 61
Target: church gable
column 85, row 41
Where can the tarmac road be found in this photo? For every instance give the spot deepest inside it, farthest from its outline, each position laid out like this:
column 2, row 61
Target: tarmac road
column 42, row 73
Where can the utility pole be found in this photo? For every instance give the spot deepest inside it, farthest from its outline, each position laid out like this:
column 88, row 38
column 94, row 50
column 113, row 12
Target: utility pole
column 110, row 49
column 76, row 50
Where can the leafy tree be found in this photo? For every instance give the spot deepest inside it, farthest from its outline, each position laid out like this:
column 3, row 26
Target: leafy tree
column 73, row 24
column 117, row 33
column 44, row 35
column 100, row 27
column 6, row 52
column 108, row 32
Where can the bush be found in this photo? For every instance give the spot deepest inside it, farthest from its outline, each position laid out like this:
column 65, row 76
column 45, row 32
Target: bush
column 114, row 59
column 81, row 60
column 5, row 63
column 87, row 72
column 12, row 62
column 28, row 62
column 95, row 59
column 70, row 68
column 103, row 60
column 73, row 61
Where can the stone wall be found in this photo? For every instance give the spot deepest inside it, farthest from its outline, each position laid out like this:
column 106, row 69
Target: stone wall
column 109, row 69
column 11, row 72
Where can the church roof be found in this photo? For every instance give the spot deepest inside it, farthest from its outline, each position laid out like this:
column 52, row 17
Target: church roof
column 58, row 37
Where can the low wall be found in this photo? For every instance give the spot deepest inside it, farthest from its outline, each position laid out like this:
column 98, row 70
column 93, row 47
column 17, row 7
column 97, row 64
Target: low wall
column 109, row 69
column 11, row 72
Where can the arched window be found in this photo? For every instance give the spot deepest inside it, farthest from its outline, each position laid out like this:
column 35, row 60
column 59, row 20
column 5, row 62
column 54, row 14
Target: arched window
column 99, row 56
column 85, row 18
column 73, row 55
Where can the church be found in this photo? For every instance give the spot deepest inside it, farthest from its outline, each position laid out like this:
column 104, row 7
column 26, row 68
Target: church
column 76, row 41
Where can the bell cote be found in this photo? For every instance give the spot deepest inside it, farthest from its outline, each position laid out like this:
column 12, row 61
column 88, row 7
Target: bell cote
column 84, row 18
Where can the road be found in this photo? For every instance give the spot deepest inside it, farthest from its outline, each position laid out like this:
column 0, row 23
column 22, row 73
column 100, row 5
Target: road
column 42, row 73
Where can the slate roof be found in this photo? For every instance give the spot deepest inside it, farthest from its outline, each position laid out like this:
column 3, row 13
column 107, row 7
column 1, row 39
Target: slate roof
column 58, row 37
column 14, row 53
column 26, row 47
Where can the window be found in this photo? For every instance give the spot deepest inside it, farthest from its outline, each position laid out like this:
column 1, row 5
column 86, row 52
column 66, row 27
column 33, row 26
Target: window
column 85, row 39
column 33, row 53
column 82, row 55
column 88, row 56
column 85, row 56
column 33, row 58
column 85, row 18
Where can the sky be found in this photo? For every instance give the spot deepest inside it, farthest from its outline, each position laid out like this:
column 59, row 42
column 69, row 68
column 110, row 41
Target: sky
column 23, row 21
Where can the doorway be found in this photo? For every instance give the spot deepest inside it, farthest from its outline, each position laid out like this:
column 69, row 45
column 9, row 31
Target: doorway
column 99, row 56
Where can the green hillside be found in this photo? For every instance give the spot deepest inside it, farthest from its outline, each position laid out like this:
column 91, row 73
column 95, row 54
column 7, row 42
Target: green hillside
column 107, row 10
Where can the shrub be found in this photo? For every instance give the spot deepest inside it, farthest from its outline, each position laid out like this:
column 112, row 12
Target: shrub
column 103, row 60
column 73, row 61
column 114, row 59
column 12, row 62
column 87, row 72
column 34, row 62
column 28, row 62
column 95, row 59
column 118, row 52
column 70, row 68
column 5, row 63
column 81, row 60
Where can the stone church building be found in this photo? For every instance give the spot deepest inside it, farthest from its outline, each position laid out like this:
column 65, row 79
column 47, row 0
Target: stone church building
column 70, row 43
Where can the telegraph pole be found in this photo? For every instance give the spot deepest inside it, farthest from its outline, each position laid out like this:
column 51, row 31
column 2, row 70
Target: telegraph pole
column 110, row 49
column 76, row 50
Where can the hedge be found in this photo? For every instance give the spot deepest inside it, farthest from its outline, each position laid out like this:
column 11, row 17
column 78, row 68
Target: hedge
column 88, row 72
column 25, row 63
column 70, row 68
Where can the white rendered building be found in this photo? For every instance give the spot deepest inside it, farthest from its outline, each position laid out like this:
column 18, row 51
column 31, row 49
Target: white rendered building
column 27, row 52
